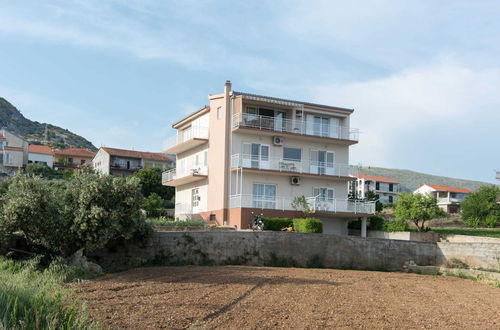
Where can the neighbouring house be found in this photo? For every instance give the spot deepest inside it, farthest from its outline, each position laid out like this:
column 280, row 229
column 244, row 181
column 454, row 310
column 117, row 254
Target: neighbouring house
column 448, row 198
column 72, row 159
column 247, row 153
column 41, row 155
column 13, row 152
column 387, row 189
column 121, row 162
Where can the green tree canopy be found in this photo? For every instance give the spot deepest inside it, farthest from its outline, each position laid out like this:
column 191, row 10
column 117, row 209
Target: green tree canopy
column 417, row 208
column 481, row 208
column 150, row 180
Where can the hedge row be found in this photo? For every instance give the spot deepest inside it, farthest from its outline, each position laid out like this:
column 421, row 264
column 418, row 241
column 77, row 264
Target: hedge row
column 307, row 225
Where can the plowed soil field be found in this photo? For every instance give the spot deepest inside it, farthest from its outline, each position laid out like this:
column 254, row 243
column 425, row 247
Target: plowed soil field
column 243, row 297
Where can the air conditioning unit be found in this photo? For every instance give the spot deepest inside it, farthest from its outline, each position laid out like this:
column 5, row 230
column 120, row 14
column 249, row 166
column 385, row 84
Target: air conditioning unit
column 295, row 180
column 278, row 140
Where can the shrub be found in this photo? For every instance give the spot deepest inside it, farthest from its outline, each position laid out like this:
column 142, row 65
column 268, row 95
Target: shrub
column 491, row 220
column 300, row 203
column 85, row 211
column 397, row 225
column 308, row 225
column 376, row 223
column 472, row 221
column 276, row 224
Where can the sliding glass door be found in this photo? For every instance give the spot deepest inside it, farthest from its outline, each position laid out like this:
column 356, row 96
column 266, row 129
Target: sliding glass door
column 256, row 155
column 322, row 162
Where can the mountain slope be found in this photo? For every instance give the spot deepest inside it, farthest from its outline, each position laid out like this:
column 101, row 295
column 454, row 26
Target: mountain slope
column 411, row 180
column 36, row 133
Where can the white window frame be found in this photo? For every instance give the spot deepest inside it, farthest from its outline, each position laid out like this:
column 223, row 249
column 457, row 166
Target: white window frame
column 264, row 201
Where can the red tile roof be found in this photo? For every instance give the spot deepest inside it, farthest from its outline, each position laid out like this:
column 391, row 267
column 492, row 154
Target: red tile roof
column 375, row 178
column 75, row 152
column 13, row 148
column 137, row 154
column 38, row 149
column 452, row 189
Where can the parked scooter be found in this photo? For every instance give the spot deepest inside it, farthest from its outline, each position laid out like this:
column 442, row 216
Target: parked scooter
column 257, row 223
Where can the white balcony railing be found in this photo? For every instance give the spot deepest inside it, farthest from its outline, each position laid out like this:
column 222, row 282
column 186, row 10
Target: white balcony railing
column 316, row 204
column 180, row 172
column 194, row 132
column 296, row 166
column 303, row 127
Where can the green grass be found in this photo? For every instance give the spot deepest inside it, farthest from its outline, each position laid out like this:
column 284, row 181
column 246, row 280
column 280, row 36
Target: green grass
column 485, row 232
column 32, row 297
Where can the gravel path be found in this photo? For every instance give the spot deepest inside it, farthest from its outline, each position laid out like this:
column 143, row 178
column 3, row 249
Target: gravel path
column 232, row 297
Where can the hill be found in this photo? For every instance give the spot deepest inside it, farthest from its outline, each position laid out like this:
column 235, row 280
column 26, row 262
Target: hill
column 411, row 180
column 36, row 133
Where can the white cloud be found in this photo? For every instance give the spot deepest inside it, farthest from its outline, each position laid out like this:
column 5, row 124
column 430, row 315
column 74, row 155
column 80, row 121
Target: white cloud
column 416, row 101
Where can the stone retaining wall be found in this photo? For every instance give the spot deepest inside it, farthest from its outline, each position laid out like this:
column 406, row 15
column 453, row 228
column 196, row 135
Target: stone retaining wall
column 291, row 249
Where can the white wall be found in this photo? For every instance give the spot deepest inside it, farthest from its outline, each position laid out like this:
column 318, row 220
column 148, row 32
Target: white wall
column 101, row 162
column 41, row 158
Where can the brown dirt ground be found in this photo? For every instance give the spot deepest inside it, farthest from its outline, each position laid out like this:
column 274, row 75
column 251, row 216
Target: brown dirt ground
column 232, row 297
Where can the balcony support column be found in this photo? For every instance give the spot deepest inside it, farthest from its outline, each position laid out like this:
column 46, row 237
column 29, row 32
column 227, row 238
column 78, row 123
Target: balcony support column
column 363, row 227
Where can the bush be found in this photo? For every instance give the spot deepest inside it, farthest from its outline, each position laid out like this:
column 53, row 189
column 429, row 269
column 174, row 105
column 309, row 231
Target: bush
column 61, row 217
column 308, row 225
column 491, row 220
column 276, row 224
column 376, row 223
column 473, row 222
column 33, row 298
column 397, row 225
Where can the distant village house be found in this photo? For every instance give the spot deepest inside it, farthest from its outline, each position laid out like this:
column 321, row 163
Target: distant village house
column 121, row 162
column 448, row 198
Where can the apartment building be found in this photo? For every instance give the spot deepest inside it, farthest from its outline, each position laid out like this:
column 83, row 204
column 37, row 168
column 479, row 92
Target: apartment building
column 387, row 189
column 41, row 155
column 72, row 159
column 247, row 153
column 122, row 162
column 448, row 198
column 13, row 152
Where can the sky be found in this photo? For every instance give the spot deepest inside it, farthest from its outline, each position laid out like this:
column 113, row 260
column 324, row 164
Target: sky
column 422, row 76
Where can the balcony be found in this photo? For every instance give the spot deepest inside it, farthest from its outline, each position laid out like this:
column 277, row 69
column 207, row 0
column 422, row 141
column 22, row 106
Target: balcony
column 293, row 167
column 316, row 204
column 273, row 125
column 183, row 175
column 186, row 139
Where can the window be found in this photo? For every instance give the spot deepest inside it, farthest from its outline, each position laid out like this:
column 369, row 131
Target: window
column 377, row 185
column 322, row 162
column 219, row 114
column 255, row 155
column 391, row 199
column 195, row 197
column 213, row 217
column 70, row 160
column 264, row 196
column 321, row 126
column 391, row 187
column 205, row 158
column 324, row 194
column 293, row 154
column 197, row 160
column 82, row 161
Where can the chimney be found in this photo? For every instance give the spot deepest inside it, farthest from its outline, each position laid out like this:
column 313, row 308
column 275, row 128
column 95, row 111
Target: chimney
column 227, row 87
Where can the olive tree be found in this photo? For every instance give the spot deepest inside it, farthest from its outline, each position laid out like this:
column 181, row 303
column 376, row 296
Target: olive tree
column 62, row 216
column 417, row 208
